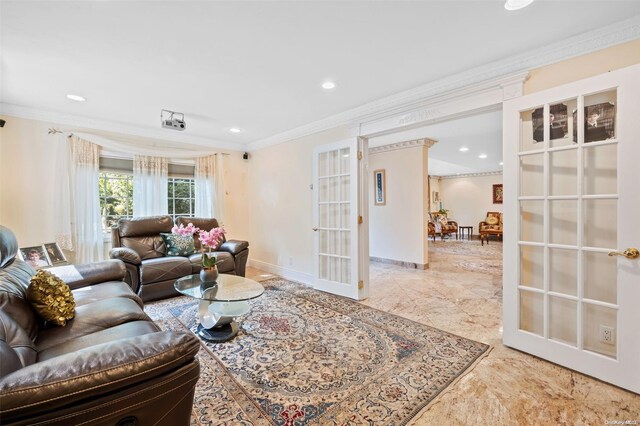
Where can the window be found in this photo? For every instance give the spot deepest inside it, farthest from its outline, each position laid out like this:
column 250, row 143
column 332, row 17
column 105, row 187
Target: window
column 182, row 201
column 116, row 197
column 116, row 190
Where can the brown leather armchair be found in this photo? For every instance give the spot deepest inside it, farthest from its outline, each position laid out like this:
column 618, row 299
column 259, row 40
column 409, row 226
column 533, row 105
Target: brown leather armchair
column 110, row 365
column 150, row 273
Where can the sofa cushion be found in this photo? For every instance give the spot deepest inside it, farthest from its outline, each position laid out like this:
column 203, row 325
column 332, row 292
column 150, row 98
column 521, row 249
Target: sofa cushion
column 8, row 246
column 17, row 350
column 91, row 318
column 94, row 293
column 51, row 298
column 111, row 334
column 178, row 245
column 149, row 247
column 162, row 269
column 14, row 280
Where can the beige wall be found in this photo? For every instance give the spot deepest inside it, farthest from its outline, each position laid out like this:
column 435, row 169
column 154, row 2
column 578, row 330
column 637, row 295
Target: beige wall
column 468, row 199
column 28, row 189
column 281, row 204
column 397, row 230
column 584, row 66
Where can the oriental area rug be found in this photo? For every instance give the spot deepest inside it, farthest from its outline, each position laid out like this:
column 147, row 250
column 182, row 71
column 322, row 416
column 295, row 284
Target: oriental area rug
column 305, row 357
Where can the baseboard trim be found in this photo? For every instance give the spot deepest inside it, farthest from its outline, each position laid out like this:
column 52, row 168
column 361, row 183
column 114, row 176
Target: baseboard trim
column 289, row 274
column 410, row 265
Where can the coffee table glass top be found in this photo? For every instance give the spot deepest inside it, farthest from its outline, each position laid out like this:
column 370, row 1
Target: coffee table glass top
column 227, row 288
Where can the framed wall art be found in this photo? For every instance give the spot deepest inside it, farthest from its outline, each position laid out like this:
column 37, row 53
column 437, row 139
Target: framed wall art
column 379, row 187
column 497, row 193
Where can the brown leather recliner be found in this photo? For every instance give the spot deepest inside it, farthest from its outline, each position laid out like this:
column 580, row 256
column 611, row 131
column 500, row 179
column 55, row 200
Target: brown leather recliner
column 110, row 365
column 150, row 273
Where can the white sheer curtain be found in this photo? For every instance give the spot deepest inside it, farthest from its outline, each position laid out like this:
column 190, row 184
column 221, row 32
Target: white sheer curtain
column 79, row 223
column 150, row 185
column 209, row 186
column 218, row 181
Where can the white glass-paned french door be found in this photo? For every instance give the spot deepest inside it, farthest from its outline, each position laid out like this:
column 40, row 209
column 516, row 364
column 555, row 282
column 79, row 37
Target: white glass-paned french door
column 571, row 276
column 337, row 207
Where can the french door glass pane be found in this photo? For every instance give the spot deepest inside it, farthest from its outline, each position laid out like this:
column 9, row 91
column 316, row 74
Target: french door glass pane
column 531, row 175
column 600, row 169
column 527, row 141
column 563, row 319
column 600, row 277
column 563, row 271
column 600, row 223
column 532, row 221
column 532, row 312
column 563, row 222
column 532, row 266
column 600, row 116
column 563, row 175
column 561, row 124
column 596, row 316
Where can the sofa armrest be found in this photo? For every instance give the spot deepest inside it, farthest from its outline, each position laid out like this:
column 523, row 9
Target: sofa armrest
column 125, row 254
column 93, row 372
column 234, row 246
column 77, row 276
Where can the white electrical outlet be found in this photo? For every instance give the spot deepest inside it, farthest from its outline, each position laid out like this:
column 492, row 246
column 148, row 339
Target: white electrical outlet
column 607, row 335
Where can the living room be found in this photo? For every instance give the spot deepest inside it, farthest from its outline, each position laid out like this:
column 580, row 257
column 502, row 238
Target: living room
column 266, row 169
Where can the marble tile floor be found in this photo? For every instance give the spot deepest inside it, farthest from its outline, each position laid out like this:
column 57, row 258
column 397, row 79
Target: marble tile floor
column 507, row 387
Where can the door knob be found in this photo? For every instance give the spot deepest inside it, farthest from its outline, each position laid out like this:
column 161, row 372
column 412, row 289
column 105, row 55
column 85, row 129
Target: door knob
column 314, row 229
column 630, row 253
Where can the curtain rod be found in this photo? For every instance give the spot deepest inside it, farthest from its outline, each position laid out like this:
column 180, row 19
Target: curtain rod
column 53, row 131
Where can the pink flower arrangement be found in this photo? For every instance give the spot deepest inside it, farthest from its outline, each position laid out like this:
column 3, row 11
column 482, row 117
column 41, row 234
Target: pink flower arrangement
column 184, row 230
column 210, row 239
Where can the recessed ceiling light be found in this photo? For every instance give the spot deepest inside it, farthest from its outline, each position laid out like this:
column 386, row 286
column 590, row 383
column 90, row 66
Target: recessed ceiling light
column 501, row 163
column 463, row 149
column 346, row 155
column 516, row 4
column 482, row 156
column 328, row 85
column 76, row 98
column 235, row 130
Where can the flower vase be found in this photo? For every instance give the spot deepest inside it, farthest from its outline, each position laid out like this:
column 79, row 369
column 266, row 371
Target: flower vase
column 209, row 274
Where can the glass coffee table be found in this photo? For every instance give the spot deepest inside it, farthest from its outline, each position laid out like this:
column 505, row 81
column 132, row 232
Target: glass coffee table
column 220, row 303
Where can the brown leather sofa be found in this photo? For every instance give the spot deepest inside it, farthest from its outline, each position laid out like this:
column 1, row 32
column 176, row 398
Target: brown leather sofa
column 150, row 273
column 110, row 365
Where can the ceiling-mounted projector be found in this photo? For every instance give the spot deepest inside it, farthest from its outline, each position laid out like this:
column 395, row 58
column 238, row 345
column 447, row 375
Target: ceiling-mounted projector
column 172, row 120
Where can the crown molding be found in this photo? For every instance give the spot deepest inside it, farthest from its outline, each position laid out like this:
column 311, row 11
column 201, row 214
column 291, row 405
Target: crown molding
column 75, row 122
column 466, row 175
column 403, row 145
column 512, row 67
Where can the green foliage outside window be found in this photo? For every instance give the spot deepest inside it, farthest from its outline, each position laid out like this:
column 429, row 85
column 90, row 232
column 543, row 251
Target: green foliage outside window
column 116, row 197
